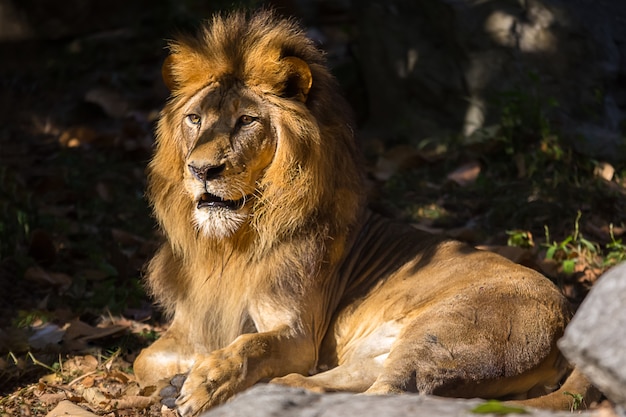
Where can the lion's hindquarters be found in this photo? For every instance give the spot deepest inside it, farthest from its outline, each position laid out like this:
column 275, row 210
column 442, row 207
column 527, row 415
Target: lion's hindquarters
column 443, row 354
column 487, row 331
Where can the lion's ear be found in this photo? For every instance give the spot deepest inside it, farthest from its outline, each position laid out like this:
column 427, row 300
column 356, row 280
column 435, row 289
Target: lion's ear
column 166, row 73
column 299, row 78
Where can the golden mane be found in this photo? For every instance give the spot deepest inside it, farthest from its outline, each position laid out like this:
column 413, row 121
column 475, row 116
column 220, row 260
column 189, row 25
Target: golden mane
column 302, row 191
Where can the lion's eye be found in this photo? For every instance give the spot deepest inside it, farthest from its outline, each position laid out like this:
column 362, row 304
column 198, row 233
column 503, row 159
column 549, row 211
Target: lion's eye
column 245, row 120
column 193, row 119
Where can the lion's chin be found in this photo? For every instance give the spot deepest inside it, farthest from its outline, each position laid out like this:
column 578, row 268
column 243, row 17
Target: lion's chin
column 217, row 221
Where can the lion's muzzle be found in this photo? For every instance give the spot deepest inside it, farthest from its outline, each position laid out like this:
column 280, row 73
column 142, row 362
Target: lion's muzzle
column 206, row 172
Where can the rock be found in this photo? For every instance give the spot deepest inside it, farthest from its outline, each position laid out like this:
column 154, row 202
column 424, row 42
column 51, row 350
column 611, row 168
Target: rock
column 437, row 67
column 270, row 400
column 595, row 340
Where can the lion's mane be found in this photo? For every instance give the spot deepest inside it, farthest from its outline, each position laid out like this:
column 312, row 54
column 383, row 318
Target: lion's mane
column 313, row 186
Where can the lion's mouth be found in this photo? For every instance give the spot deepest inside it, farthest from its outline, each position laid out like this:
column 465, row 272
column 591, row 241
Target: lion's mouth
column 208, row 200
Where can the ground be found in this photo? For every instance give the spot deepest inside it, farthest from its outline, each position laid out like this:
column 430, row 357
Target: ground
column 77, row 120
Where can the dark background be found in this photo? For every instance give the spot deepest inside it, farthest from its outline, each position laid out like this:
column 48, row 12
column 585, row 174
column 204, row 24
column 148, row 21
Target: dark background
column 494, row 122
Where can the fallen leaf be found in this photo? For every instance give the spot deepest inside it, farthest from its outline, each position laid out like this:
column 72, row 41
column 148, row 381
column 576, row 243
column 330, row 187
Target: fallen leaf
column 168, row 412
column 81, row 364
column 68, row 409
column 78, row 334
column 466, row 174
column 88, row 381
column 95, row 397
column 52, row 398
column 45, row 335
column 604, row 170
column 39, row 275
column 77, row 136
column 133, row 388
column 120, row 376
column 51, row 379
column 134, row 401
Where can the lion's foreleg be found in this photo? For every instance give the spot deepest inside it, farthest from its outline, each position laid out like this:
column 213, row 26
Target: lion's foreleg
column 250, row 358
column 168, row 356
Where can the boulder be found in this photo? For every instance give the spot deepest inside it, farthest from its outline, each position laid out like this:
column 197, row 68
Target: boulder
column 595, row 340
column 268, row 400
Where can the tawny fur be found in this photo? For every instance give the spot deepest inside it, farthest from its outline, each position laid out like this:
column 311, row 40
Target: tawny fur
column 302, row 278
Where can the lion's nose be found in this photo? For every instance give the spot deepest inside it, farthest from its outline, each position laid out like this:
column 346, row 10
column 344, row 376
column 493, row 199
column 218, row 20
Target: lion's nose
column 206, row 172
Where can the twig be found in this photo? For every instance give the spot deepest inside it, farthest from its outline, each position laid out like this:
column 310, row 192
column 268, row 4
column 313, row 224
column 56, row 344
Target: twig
column 75, row 380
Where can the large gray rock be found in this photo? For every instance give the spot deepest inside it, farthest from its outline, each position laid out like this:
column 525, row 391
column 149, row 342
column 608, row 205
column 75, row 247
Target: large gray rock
column 595, row 340
column 277, row 401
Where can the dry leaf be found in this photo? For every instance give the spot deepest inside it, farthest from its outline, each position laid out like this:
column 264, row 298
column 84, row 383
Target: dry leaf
column 81, row 364
column 95, row 397
column 604, row 170
column 133, row 389
column 53, row 398
column 78, row 334
column 45, row 335
column 68, row 409
column 120, row 376
column 77, row 136
column 51, row 379
column 88, row 381
column 168, row 412
column 39, row 275
column 466, row 174
column 134, row 401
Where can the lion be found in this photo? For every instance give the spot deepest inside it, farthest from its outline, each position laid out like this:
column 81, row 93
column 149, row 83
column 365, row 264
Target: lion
column 274, row 269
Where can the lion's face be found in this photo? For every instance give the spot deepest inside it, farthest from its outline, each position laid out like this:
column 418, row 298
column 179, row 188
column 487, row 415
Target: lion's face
column 253, row 145
column 228, row 143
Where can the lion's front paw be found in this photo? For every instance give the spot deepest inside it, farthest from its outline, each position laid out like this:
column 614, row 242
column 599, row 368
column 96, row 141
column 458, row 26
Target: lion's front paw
column 209, row 383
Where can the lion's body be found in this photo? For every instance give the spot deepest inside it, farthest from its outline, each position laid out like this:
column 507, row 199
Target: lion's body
column 274, row 269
